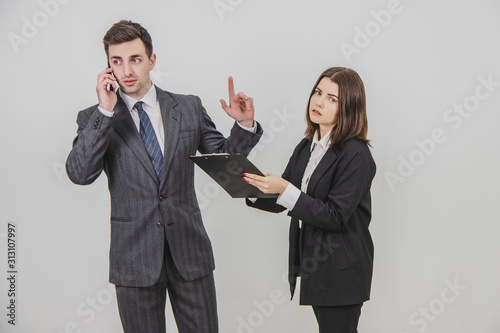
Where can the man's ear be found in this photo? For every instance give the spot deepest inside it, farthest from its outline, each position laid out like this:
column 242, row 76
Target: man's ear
column 152, row 61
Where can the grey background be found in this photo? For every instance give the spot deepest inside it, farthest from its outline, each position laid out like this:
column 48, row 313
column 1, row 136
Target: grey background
column 437, row 227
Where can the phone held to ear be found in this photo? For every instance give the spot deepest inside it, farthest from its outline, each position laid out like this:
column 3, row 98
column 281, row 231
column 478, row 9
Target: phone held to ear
column 109, row 87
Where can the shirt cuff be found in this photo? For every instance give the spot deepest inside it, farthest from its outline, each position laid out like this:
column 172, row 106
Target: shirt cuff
column 250, row 129
column 106, row 113
column 289, row 197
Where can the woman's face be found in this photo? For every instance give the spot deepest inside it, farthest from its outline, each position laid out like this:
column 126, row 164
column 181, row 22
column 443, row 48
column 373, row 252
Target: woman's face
column 323, row 105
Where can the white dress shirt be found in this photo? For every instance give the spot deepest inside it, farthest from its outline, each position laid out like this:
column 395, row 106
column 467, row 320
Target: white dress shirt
column 152, row 108
column 289, row 197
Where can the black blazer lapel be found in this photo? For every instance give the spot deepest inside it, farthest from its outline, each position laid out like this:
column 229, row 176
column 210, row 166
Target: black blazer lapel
column 171, row 118
column 126, row 129
column 301, row 161
column 327, row 160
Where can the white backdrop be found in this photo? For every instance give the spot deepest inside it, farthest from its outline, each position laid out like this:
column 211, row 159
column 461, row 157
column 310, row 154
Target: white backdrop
column 432, row 78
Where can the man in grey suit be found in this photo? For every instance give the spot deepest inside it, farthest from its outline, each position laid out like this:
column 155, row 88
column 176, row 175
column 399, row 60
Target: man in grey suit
column 142, row 137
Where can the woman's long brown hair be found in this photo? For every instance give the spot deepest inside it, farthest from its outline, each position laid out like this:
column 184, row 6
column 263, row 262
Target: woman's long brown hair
column 351, row 120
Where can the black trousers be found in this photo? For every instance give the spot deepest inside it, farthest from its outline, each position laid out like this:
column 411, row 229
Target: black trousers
column 142, row 310
column 338, row 319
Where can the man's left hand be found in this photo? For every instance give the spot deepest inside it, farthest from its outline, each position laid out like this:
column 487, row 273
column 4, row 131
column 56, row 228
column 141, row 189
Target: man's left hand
column 240, row 106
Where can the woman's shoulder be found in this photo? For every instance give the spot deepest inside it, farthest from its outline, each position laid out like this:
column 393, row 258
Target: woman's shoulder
column 299, row 148
column 356, row 152
column 352, row 147
column 355, row 143
column 304, row 142
column 301, row 145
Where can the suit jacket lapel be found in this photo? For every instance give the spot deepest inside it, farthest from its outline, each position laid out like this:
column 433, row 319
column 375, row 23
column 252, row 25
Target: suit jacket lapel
column 125, row 127
column 327, row 160
column 171, row 118
column 302, row 159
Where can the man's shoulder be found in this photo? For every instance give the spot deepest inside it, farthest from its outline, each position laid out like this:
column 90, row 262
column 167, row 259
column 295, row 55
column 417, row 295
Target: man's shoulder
column 182, row 99
column 88, row 111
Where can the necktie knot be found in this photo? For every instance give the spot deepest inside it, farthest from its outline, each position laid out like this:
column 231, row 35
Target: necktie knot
column 138, row 106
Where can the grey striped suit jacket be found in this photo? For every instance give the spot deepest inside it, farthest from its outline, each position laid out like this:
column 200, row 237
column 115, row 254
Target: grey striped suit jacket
column 144, row 209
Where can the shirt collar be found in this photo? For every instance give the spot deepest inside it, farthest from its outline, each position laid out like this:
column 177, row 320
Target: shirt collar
column 149, row 99
column 324, row 143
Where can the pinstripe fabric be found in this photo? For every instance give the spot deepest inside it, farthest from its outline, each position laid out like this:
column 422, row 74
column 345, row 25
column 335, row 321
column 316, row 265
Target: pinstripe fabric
column 142, row 309
column 145, row 207
column 193, row 303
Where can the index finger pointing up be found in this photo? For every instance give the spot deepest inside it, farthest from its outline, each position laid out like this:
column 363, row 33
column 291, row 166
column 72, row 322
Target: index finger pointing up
column 230, row 87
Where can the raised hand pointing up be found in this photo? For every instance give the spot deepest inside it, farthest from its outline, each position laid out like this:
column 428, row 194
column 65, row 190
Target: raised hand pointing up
column 240, row 106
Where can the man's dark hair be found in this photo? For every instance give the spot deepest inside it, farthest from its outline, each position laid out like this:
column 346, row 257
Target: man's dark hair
column 126, row 31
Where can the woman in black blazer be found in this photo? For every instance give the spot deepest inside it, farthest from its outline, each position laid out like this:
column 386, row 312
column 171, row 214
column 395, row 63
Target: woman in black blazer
column 326, row 188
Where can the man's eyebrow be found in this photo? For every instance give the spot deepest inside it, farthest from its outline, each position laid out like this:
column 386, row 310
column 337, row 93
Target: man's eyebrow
column 132, row 56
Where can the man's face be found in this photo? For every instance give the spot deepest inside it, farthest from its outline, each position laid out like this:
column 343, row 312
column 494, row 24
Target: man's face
column 131, row 67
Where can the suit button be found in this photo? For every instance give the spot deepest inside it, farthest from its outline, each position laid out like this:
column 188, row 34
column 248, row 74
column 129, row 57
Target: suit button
column 159, row 224
column 161, row 198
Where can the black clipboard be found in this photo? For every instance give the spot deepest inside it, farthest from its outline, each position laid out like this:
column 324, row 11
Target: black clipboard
column 227, row 171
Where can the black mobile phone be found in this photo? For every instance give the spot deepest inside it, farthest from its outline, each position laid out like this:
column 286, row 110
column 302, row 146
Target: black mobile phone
column 109, row 87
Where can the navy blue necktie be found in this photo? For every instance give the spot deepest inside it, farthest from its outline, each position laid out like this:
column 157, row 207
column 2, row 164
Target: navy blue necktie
column 150, row 141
